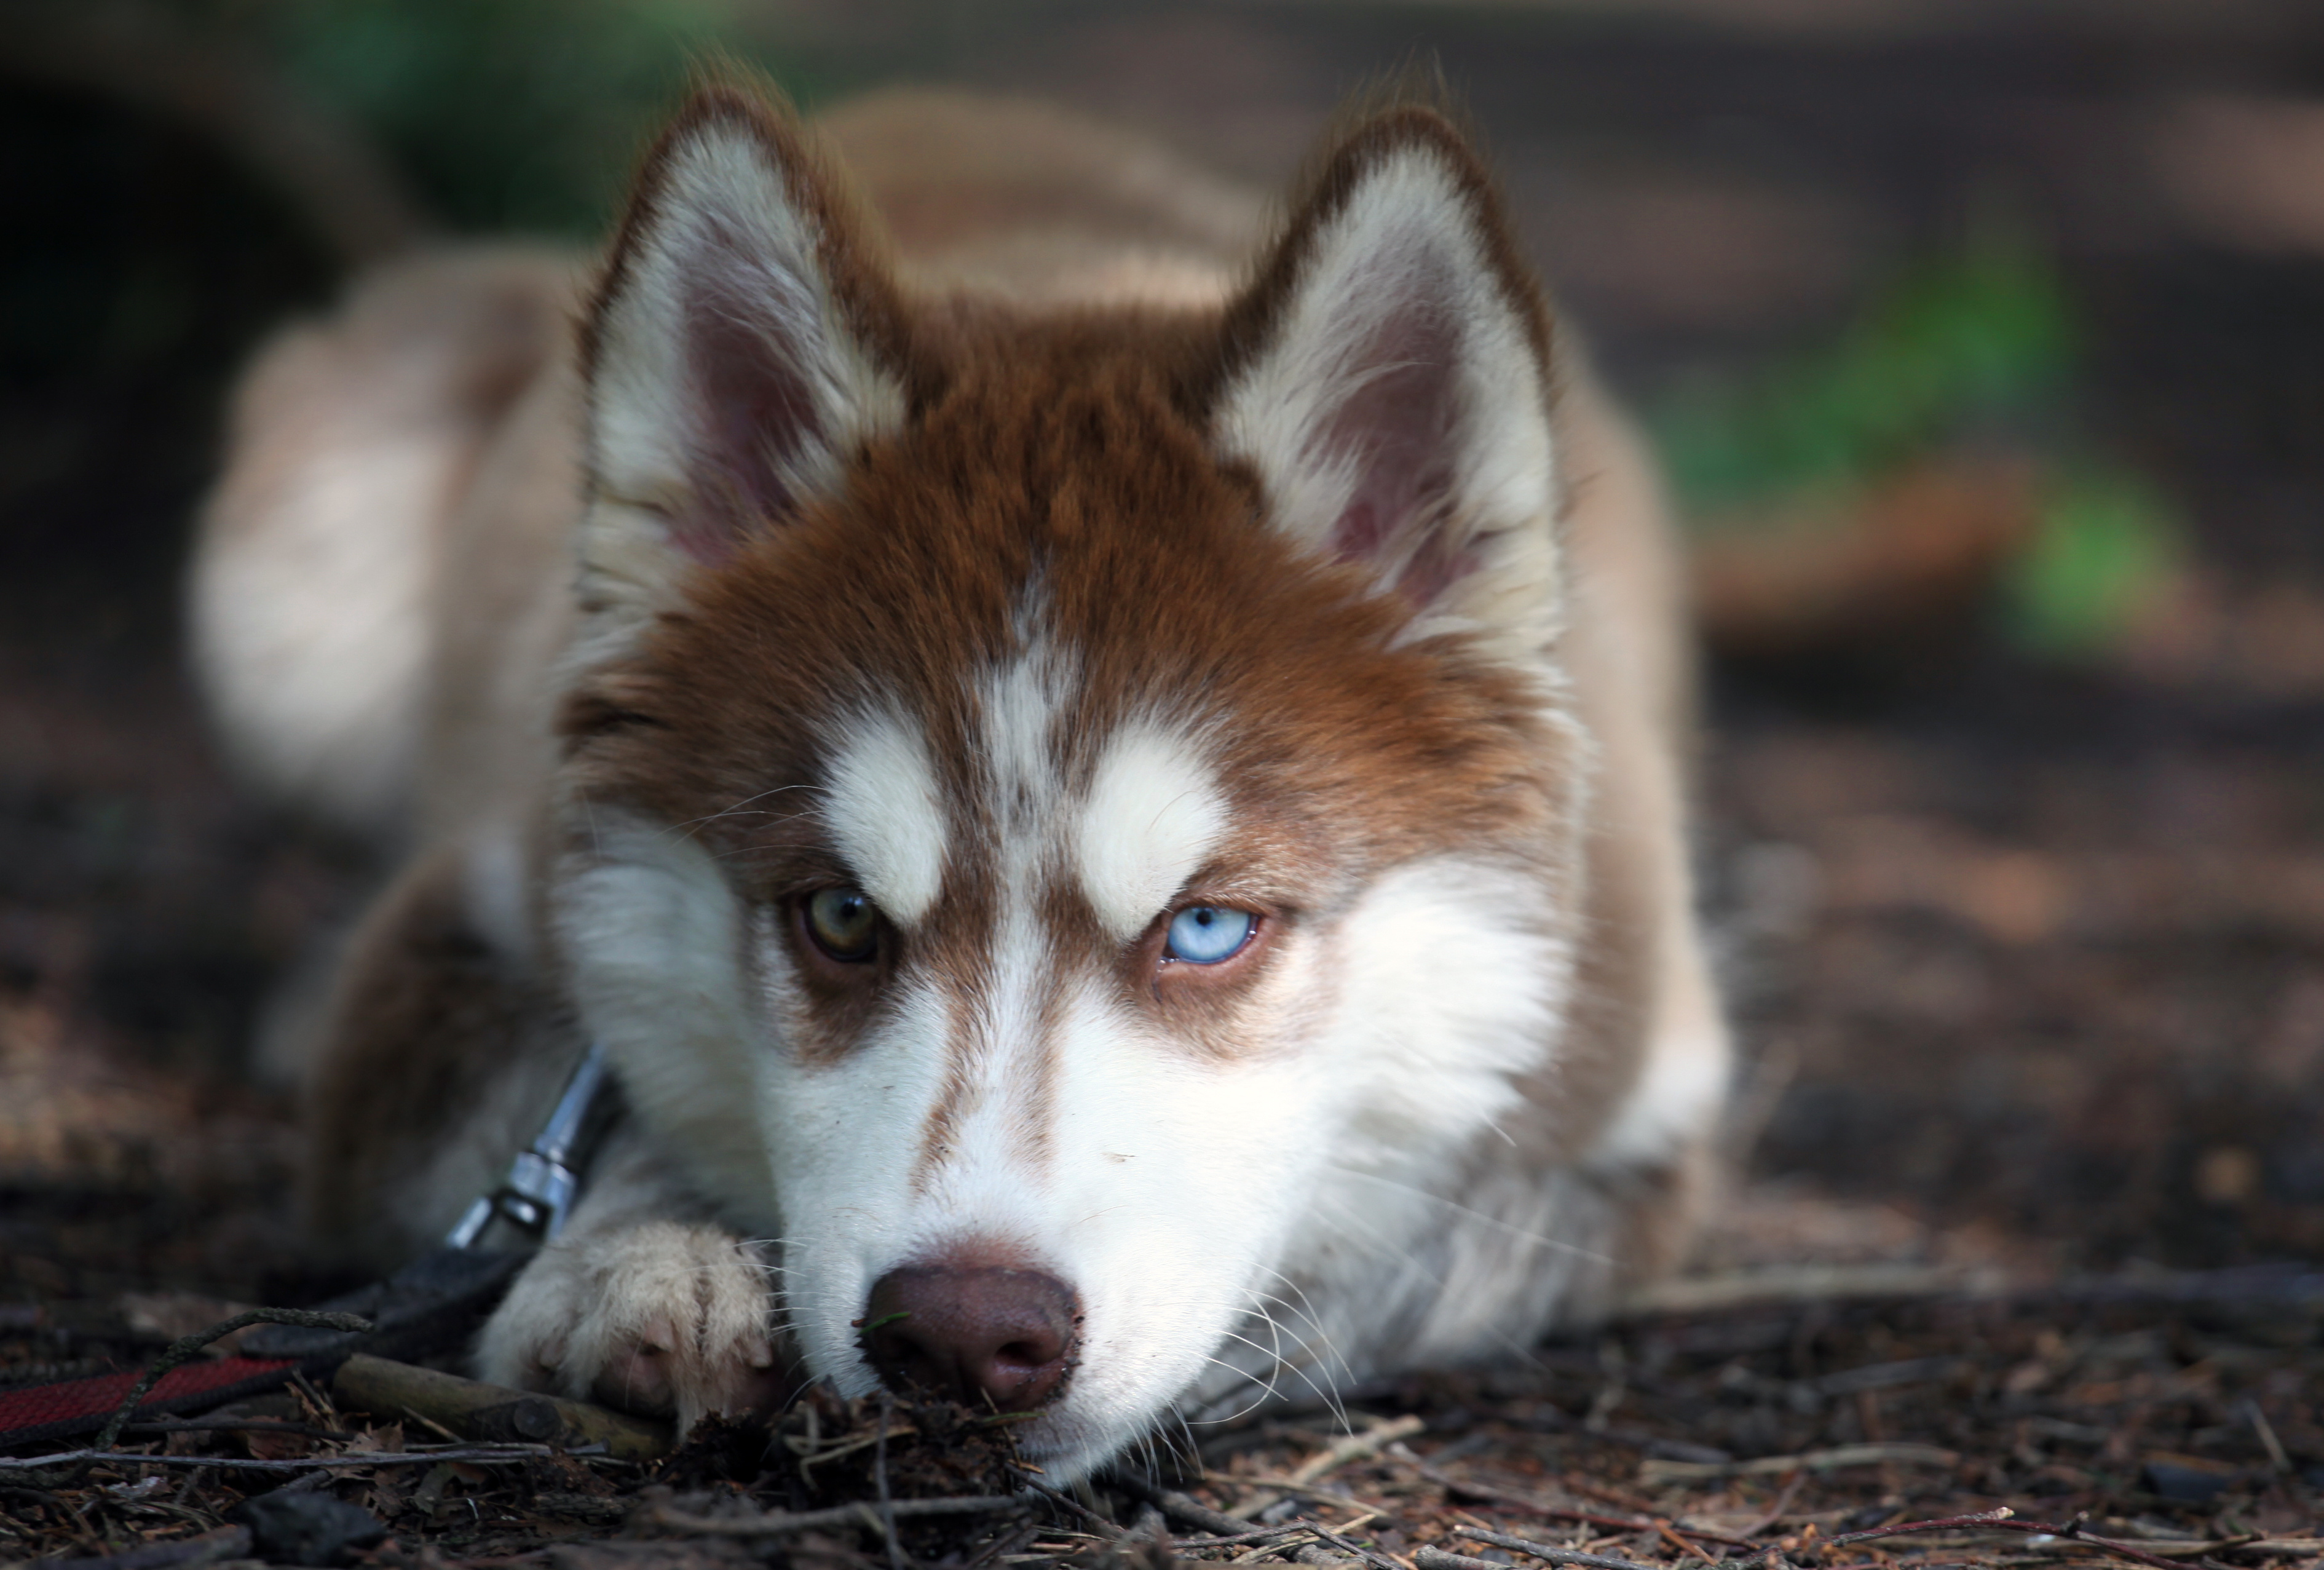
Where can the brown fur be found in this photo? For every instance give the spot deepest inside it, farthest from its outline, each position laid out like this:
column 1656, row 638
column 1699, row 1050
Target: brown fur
column 417, row 974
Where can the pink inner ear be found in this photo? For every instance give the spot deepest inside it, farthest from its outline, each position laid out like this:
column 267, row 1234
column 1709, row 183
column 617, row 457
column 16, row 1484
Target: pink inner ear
column 749, row 333
column 1400, row 427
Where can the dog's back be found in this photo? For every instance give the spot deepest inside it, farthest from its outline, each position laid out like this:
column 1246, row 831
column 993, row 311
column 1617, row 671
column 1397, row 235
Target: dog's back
column 387, row 624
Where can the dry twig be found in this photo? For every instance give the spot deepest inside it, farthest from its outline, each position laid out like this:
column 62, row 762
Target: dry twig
column 859, row 1512
column 1352, row 1447
column 1098, row 1523
column 1555, row 1512
column 1655, row 1472
column 1550, row 1551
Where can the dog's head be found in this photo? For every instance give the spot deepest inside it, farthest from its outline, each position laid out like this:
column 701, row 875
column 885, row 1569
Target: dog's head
column 1048, row 800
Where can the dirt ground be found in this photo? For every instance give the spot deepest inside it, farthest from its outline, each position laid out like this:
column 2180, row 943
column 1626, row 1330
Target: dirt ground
column 2027, row 959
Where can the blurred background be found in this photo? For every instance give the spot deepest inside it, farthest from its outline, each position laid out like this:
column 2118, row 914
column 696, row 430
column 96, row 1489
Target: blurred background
column 1983, row 343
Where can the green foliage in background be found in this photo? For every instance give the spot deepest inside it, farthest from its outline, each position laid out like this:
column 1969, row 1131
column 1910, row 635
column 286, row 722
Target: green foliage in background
column 510, row 114
column 1977, row 349
column 2105, row 545
column 1977, row 340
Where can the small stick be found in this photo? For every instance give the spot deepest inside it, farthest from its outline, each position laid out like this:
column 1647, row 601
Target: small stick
column 1231, row 1540
column 808, row 1461
column 1681, row 1543
column 1105, row 1528
column 880, row 1484
column 234, row 1426
column 186, row 1346
column 862, row 1513
column 1172, row 1503
column 1775, row 1512
column 430, row 1423
column 186, row 1485
column 1996, row 1521
column 1613, row 1496
column 1372, row 1556
column 1550, row 1552
column 1264, row 1549
column 1355, row 1446
column 1654, row 1471
column 2267, row 1432
column 1434, row 1559
column 1352, row 1447
column 1010, row 1540
column 470, row 1409
column 1315, row 1490
column 313, row 1398
column 1558, row 1512
column 1999, row 1520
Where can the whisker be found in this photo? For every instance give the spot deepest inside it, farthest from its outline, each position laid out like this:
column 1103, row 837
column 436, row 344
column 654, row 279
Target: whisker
column 1558, row 1245
column 736, row 811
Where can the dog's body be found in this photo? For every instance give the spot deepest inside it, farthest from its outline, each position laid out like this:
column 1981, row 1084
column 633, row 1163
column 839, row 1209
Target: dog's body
column 1135, row 815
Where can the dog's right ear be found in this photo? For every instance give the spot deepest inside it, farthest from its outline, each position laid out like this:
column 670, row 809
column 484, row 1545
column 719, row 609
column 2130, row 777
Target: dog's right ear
column 741, row 345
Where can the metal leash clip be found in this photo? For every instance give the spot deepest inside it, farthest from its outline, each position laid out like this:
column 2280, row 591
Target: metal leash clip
column 537, row 1196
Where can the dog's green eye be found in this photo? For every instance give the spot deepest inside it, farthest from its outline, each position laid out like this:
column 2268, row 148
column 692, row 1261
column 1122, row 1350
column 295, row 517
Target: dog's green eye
column 844, row 923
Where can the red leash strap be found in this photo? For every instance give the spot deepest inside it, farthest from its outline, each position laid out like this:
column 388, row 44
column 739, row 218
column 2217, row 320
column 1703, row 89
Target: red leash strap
column 38, row 1413
column 436, row 1302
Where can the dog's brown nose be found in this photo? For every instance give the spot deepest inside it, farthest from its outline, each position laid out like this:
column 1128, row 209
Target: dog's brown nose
column 982, row 1334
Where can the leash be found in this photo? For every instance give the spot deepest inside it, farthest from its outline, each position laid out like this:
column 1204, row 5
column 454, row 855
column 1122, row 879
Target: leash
column 433, row 1305
column 537, row 1196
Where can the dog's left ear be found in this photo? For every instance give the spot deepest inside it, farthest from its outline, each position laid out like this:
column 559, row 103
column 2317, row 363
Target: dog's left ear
column 1387, row 377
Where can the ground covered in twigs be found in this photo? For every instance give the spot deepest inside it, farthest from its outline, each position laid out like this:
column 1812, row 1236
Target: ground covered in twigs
column 2029, row 958
column 2173, row 1424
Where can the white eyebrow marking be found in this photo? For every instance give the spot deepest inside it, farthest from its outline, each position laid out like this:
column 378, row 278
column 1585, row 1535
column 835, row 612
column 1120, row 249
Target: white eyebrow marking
column 883, row 806
column 1155, row 811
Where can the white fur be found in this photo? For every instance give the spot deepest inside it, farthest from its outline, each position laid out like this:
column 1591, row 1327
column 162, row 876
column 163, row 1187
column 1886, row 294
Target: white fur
column 1020, row 702
column 1155, row 811
column 1406, row 242
column 882, row 801
column 655, row 938
column 725, row 212
column 1456, row 976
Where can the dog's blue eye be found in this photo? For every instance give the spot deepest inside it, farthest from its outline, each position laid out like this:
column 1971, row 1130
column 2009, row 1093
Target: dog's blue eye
column 1207, row 934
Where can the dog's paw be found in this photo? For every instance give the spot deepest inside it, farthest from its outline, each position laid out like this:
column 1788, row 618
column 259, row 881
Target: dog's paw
column 662, row 1319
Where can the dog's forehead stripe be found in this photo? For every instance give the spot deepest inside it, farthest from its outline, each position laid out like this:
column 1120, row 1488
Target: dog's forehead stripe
column 883, row 805
column 1020, row 700
column 1154, row 813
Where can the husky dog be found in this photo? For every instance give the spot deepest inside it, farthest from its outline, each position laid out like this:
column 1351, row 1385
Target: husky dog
column 1105, row 769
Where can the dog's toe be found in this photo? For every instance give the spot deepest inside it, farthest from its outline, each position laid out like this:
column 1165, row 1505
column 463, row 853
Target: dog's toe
column 636, row 1377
